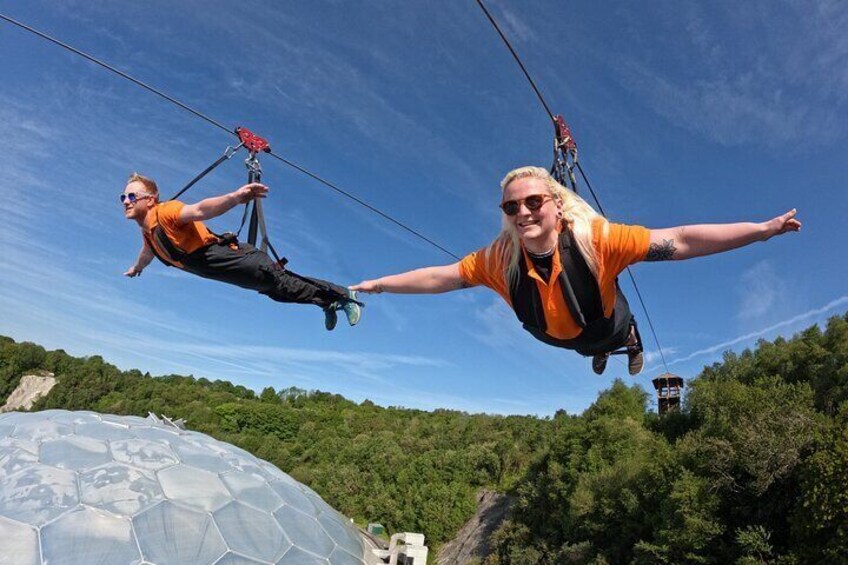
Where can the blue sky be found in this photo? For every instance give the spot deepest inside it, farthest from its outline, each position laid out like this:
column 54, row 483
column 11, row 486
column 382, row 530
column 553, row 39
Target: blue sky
column 684, row 112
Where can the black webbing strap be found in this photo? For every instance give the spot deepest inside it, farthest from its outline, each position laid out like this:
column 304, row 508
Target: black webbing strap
column 580, row 288
column 229, row 152
column 254, row 174
column 256, row 226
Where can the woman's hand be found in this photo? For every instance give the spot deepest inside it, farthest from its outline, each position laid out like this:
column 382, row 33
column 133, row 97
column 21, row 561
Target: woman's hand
column 368, row 287
column 782, row 224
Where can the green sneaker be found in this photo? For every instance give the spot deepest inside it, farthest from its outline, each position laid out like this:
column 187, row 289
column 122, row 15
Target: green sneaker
column 330, row 316
column 352, row 309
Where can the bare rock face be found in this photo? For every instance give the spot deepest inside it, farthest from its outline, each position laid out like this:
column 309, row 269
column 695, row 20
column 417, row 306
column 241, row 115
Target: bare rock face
column 472, row 541
column 31, row 388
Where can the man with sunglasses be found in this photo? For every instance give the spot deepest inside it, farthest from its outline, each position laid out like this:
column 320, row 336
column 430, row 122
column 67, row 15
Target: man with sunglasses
column 174, row 233
column 556, row 263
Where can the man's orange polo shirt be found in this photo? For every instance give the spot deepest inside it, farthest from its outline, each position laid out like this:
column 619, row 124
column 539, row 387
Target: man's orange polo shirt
column 189, row 236
column 616, row 247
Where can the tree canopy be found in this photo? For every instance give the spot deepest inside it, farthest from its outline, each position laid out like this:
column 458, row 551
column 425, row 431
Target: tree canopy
column 752, row 469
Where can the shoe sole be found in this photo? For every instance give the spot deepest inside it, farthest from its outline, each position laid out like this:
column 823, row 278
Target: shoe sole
column 601, row 366
column 635, row 366
column 354, row 318
column 331, row 319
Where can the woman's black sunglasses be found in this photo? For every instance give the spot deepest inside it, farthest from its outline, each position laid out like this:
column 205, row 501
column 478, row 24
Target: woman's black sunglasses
column 533, row 203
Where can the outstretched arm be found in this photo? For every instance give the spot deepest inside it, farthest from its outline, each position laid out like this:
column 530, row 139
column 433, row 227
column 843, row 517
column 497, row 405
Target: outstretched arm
column 145, row 256
column 429, row 280
column 217, row 205
column 685, row 242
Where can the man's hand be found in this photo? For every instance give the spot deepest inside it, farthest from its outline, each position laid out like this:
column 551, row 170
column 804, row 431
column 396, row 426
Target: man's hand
column 783, row 224
column 250, row 191
column 133, row 271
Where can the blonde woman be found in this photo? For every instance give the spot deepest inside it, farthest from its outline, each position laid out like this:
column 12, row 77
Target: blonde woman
column 556, row 263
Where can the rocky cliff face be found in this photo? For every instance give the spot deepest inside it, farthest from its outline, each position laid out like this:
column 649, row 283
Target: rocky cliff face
column 472, row 541
column 31, row 388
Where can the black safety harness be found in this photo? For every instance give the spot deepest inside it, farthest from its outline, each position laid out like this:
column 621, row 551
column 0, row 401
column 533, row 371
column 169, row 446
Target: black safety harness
column 582, row 295
column 195, row 261
column 580, row 289
column 253, row 208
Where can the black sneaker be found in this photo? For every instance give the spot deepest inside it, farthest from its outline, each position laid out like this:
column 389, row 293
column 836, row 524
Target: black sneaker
column 330, row 317
column 599, row 363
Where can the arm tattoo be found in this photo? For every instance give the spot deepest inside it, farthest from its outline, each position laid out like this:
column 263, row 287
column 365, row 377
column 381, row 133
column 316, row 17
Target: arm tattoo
column 664, row 252
column 463, row 284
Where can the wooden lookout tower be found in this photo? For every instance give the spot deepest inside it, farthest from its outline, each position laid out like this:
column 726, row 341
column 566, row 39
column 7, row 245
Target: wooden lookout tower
column 668, row 388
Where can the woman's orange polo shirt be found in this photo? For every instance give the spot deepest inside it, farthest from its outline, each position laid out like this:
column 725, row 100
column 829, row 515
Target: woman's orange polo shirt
column 617, row 247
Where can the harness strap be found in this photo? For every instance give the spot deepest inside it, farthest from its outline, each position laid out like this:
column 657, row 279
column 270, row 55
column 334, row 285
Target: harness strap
column 254, row 144
column 229, row 152
column 173, row 255
column 565, row 154
column 580, row 290
column 254, row 208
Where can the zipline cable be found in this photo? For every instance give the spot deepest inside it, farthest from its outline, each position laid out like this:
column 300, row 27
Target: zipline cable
column 114, row 70
column 517, row 59
column 363, row 203
column 579, row 168
column 225, row 128
column 535, row 89
column 629, row 274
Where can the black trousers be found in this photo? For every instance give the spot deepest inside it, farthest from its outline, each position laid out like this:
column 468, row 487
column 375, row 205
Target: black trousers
column 251, row 268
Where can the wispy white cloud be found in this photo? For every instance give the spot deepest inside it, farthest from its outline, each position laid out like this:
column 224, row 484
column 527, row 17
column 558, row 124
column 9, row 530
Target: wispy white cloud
column 761, row 290
column 513, row 26
column 731, row 111
column 272, row 362
column 805, row 317
column 766, row 73
column 653, row 356
column 497, row 326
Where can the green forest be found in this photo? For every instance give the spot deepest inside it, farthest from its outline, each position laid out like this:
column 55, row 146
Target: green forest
column 753, row 469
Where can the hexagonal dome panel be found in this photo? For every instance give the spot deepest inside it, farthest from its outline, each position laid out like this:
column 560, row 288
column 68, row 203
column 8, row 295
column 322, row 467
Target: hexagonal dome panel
column 38, row 493
column 251, row 532
column 120, row 489
column 75, row 453
column 81, row 487
column 252, row 490
column 235, row 559
column 306, row 529
column 20, row 541
column 40, row 430
column 143, row 453
column 297, row 556
column 168, row 533
column 295, row 496
column 103, row 430
column 194, row 487
column 13, row 459
column 84, row 535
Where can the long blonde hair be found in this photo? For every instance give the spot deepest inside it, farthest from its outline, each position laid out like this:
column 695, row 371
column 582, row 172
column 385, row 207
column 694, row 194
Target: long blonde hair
column 576, row 215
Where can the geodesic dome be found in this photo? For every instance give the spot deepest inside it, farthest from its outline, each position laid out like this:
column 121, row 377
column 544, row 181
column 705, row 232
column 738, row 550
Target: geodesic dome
column 84, row 488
